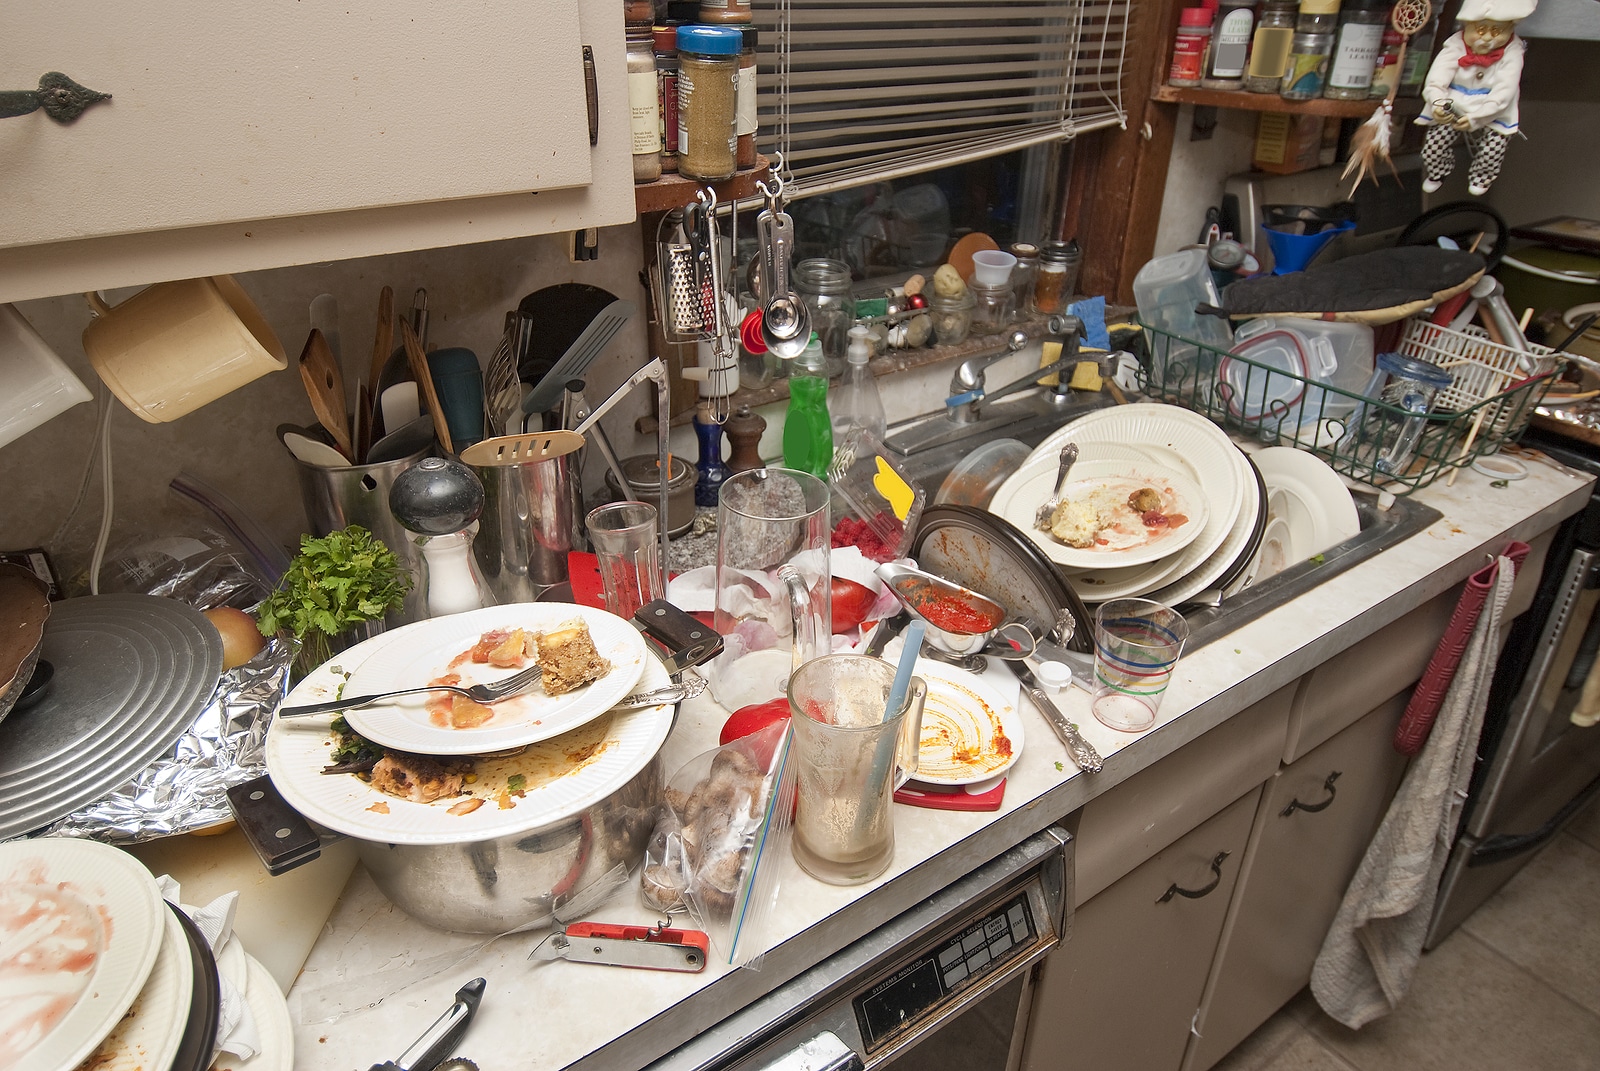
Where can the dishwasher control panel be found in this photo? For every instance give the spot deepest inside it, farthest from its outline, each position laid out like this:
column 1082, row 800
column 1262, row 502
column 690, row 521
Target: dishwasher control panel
column 898, row 1002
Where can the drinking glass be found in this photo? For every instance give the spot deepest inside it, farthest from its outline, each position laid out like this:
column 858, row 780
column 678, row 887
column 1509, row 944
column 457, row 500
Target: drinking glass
column 624, row 538
column 774, row 606
column 851, row 753
column 1136, row 645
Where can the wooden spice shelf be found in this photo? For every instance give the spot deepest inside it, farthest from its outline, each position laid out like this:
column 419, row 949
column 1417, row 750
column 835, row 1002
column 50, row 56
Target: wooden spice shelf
column 672, row 190
column 1239, row 100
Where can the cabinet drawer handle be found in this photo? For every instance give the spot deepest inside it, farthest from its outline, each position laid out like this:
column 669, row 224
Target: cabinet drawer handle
column 1194, row 894
column 1313, row 808
column 60, row 97
column 591, row 95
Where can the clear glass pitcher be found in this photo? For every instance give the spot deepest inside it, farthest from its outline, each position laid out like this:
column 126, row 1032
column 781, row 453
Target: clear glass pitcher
column 774, row 606
column 850, row 755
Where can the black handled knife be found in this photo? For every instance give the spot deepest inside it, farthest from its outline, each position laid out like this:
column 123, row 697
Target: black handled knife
column 687, row 642
column 1082, row 752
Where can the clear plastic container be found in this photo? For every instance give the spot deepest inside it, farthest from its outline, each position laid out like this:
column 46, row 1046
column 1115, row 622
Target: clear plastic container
column 868, row 476
column 1167, row 290
column 1336, row 354
column 975, row 480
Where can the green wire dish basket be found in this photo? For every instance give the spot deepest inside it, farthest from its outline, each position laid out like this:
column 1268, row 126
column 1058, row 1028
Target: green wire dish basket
column 1487, row 405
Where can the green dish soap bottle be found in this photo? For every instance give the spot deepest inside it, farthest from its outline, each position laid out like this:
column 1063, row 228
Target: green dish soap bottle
column 807, row 432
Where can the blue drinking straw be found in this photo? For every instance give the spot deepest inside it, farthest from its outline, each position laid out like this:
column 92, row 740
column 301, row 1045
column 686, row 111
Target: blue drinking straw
column 902, row 674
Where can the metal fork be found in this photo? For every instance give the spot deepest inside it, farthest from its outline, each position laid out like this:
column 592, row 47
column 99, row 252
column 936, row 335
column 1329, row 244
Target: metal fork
column 1041, row 516
column 478, row 693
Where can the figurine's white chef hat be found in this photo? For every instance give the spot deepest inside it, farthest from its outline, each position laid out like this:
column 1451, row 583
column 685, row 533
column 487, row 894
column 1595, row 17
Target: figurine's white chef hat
column 1495, row 10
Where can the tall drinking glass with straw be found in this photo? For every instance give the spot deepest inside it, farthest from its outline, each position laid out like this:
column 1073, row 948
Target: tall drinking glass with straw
column 857, row 727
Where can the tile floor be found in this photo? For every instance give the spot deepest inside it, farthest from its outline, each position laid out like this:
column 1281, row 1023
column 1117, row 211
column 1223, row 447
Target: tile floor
column 1516, row 986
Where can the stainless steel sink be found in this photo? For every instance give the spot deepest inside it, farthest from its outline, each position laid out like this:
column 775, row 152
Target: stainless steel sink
column 934, row 445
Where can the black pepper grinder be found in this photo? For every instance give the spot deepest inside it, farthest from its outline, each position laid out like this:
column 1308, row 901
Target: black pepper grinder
column 712, row 470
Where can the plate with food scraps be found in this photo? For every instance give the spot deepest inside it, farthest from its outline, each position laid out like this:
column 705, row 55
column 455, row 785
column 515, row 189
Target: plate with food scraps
column 461, row 799
column 81, row 924
column 590, row 660
column 1114, row 513
column 970, row 732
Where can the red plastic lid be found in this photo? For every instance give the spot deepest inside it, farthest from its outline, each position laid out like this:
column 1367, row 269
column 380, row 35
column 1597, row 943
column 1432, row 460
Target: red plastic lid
column 1195, row 16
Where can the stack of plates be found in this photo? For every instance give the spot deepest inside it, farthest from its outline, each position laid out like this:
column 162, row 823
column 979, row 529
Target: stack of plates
column 1201, row 475
column 1247, row 518
column 99, row 972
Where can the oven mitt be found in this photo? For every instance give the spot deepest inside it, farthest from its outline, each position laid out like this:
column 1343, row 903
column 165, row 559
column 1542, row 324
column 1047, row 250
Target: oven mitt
column 1426, row 698
column 1371, row 288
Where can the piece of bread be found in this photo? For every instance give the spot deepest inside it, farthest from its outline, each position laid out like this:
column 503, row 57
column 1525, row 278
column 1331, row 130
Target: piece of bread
column 568, row 659
column 1075, row 523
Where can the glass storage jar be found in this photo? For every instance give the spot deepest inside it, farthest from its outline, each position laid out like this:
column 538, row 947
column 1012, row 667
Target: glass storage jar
column 993, row 307
column 1269, row 51
column 824, row 285
column 1024, row 274
column 1058, row 277
column 708, row 68
column 952, row 317
column 644, row 94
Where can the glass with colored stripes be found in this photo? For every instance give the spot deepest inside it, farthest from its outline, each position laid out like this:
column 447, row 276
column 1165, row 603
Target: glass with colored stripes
column 1137, row 643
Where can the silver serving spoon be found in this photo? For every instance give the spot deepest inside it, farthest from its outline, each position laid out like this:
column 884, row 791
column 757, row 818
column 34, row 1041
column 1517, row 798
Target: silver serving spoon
column 1041, row 516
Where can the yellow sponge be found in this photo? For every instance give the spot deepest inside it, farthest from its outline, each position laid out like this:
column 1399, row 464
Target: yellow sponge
column 1086, row 376
column 1049, row 354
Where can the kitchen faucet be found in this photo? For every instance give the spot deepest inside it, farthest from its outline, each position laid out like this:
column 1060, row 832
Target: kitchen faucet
column 967, row 385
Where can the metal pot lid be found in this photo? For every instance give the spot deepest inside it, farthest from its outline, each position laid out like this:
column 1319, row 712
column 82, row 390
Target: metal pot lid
column 562, row 776
column 986, row 553
column 131, row 672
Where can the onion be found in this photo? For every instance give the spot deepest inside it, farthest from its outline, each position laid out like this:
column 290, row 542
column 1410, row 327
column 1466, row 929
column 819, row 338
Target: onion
column 241, row 639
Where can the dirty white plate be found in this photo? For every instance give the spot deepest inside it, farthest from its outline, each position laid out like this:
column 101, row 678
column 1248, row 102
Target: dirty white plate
column 970, row 732
column 423, row 653
column 1126, row 541
column 149, row 1034
column 1310, row 497
column 273, row 1025
column 561, row 776
column 54, row 1021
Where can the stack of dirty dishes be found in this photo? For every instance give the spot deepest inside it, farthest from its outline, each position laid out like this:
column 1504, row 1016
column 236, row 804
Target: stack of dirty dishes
column 1115, row 539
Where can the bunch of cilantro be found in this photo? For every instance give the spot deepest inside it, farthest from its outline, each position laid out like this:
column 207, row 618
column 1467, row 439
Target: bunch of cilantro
column 337, row 581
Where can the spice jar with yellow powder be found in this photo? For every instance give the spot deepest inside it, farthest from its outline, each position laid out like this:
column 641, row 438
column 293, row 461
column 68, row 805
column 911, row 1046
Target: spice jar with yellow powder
column 708, row 67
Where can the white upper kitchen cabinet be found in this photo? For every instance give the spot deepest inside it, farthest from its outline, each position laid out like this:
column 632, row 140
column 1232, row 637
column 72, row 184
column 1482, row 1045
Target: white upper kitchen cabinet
column 247, row 136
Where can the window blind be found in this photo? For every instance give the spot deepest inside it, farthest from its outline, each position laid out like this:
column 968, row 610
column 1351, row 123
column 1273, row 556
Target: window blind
column 853, row 93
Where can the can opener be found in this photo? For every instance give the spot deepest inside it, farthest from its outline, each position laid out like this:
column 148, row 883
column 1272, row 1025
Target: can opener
column 652, row 948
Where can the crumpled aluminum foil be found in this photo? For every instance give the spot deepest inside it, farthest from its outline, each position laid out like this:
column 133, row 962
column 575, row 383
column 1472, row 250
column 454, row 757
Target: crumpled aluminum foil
column 187, row 789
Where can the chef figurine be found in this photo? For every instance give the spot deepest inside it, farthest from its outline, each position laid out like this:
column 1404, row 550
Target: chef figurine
column 1471, row 90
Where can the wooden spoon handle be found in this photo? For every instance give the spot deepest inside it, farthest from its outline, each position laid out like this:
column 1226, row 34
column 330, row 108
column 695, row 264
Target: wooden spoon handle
column 424, row 378
column 325, row 387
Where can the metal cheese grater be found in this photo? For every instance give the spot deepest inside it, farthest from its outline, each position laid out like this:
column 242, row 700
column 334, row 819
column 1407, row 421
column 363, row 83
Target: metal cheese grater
column 688, row 275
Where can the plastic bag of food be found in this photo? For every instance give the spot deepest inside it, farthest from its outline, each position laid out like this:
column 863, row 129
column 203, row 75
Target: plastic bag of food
column 719, row 844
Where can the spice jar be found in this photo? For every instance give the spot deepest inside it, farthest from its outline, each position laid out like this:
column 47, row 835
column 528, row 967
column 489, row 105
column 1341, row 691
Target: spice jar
column 1386, row 72
column 952, row 316
column 1308, row 63
column 824, row 285
column 644, row 106
column 640, row 13
column 745, row 100
column 1058, row 277
column 1230, row 45
column 993, row 307
column 1355, row 52
column 1024, row 274
column 666, row 46
column 1269, row 51
column 722, row 12
column 1189, row 47
column 708, row 68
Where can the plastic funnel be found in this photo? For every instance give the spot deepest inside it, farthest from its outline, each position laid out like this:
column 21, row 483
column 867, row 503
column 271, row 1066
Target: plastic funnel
column 1292, row 252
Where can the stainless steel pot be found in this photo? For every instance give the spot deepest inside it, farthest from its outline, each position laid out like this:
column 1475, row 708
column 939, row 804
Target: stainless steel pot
column 517, row 880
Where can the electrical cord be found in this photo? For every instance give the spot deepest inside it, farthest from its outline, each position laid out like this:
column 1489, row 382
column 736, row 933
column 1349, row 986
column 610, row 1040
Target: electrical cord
column 107, row 501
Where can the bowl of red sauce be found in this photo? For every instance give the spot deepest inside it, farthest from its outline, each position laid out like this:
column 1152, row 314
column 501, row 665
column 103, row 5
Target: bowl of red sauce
column 960, row 621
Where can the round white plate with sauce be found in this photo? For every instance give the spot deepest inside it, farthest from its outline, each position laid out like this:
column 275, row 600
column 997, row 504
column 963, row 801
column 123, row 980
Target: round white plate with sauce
column 970, row 733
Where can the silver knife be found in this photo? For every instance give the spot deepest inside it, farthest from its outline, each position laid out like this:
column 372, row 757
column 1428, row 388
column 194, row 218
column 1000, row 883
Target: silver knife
column 1082, row 752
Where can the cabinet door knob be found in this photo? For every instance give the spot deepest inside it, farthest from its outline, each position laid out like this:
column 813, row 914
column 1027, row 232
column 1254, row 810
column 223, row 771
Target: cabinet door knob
column 1313, row 808
column 58, row 96
column 1194, row 894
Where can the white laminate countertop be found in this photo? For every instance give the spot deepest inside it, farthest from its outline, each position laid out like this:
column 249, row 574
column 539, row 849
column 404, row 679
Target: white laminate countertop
column 559, row 1015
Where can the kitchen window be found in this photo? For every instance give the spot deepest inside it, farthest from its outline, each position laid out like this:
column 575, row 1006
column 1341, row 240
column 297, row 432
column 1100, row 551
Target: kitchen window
column 906, row 123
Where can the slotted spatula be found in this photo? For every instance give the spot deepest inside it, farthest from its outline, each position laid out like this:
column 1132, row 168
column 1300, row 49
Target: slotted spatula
column 579, row 356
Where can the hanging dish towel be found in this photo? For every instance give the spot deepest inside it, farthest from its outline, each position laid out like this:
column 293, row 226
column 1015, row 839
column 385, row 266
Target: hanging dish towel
column 1371, row 951
column 1412, row 732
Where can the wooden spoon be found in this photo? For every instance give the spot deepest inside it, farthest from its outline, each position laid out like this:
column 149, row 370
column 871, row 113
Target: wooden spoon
column 325, row 387
column 424, row 378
